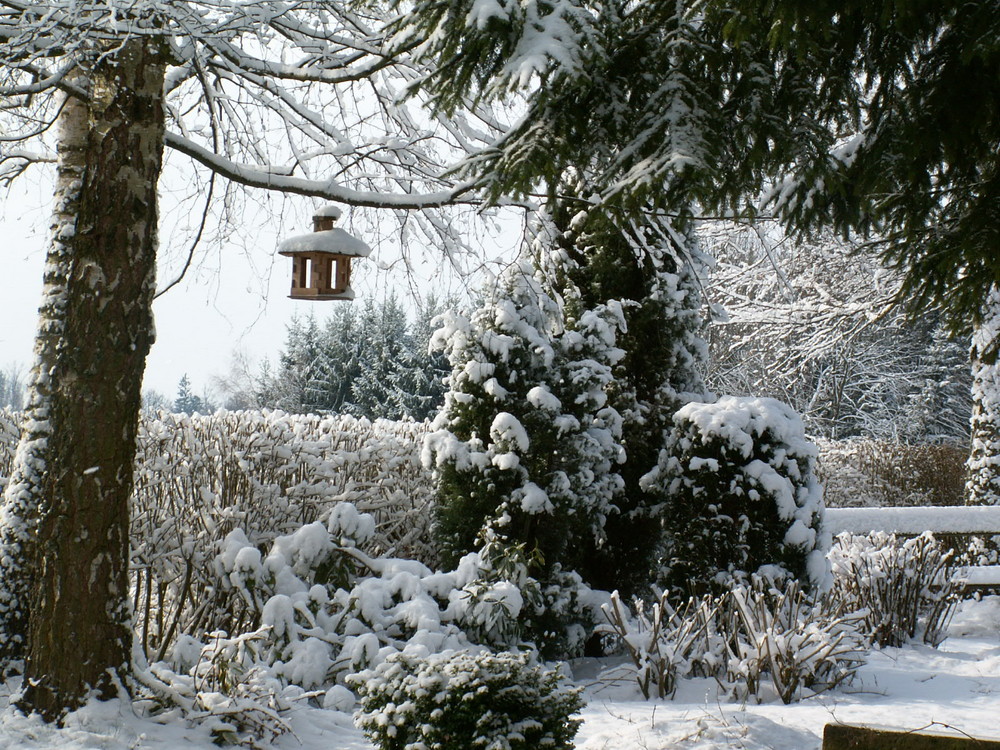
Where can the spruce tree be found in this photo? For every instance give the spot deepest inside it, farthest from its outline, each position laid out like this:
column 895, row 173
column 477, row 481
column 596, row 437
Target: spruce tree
column 384, row 345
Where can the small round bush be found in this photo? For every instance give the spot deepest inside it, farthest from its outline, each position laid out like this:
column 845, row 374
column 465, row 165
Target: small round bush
column 742, row 498
column 462, row 700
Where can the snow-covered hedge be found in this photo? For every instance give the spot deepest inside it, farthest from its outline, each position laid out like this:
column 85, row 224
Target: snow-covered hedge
column 461, row 700
column 743, row 498
column 267, row 473
column 861, row 473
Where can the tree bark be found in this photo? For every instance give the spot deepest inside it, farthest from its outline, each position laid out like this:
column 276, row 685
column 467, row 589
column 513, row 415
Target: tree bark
column 983, row 487
column 74, row 473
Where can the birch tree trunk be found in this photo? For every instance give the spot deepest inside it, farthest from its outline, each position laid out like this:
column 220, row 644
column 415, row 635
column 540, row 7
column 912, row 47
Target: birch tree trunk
column 66, row 515
column 983, row 487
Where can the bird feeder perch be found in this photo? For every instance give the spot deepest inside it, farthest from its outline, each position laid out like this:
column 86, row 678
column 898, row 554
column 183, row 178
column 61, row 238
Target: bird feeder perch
column 321, row 261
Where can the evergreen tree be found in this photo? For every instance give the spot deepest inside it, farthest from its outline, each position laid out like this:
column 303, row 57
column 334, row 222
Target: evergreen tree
column 385, row 342
column 853, row 115
column 527, row 446
column 372, row 364
column 187, row 402
column 343, row 342
column 651, row 271
column 420, row 379
column 305, row 370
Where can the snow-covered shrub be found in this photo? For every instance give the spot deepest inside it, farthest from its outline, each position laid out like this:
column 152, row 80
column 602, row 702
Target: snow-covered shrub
column 794, row 641
column 665, row 644
column 461, row 700
column 525, row 450
column 328, row 609
column 742, row 497
column 223, row 686
column 751, row 637
column 905, row 586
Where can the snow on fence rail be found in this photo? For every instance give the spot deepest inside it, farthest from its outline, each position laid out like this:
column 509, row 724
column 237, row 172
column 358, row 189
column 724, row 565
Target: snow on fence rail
column 958, row 519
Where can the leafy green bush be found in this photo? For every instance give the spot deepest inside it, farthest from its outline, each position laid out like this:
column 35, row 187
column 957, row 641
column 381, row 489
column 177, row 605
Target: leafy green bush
column 461, row 700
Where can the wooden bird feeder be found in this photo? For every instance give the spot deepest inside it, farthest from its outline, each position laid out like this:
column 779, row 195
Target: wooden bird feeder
column 321, row 261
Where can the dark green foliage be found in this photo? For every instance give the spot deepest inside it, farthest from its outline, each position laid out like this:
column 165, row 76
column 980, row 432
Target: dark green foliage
column 743, row 498
column 527, row 451
column 863, row 116
column 651, row 271
column 187, row 402
column 462, row 701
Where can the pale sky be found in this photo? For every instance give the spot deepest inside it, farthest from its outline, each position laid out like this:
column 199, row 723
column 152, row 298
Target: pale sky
column 233, row 298
column 223, row 304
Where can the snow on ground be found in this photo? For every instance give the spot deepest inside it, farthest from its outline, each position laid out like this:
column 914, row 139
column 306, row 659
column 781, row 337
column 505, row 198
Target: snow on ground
column 956, row 685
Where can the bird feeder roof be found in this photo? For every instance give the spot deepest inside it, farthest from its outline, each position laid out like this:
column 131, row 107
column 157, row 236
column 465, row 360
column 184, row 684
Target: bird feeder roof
column 329, row 211
column 331, row 241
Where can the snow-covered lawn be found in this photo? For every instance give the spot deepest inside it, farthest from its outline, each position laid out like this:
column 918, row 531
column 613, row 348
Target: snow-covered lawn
column 956, row 685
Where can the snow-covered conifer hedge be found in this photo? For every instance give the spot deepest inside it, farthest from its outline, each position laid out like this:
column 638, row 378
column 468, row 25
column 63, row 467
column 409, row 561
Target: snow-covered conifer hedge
column 267, row 473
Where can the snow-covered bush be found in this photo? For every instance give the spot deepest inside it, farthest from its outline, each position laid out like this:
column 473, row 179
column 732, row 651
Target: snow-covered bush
column 754, row 636
column 665, row 644
column 462, row 700
column 796, row 642
column 225, row 688
column 525, row 450
column 197, row 478
column 742, row 497
column 904, row 586
column 325, row 609
column 860, row 473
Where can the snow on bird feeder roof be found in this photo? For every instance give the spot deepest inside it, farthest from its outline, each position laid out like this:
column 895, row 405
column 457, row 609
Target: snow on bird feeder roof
column 321, row 261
